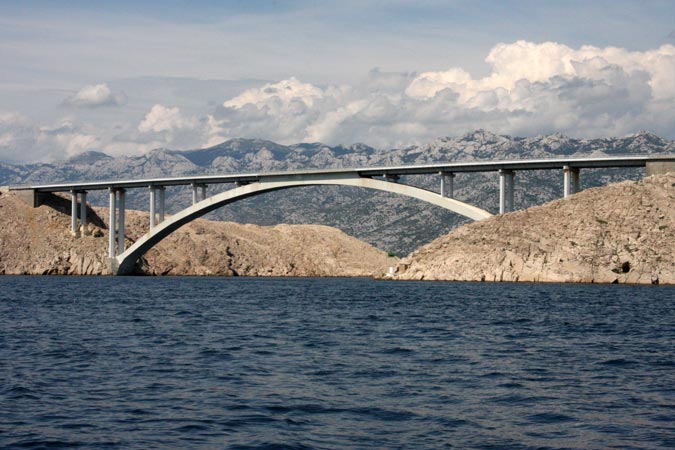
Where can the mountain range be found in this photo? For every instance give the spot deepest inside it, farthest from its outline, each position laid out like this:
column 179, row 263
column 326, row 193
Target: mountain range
column 390, row 222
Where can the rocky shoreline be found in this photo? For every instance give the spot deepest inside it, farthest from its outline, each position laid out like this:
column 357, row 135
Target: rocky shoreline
column 37, row 241
column 621, row 233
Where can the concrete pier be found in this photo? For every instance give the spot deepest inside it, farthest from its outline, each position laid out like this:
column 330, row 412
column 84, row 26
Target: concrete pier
column 194, row 193
column 83, row 211
column 152, row 207
column 447, row 184
column 111, row 223
column 570, row 181
column 506, row 187
column 198, row 192
column 73, row 212
column 162, row 190
column 659, row 167
column 120, row 222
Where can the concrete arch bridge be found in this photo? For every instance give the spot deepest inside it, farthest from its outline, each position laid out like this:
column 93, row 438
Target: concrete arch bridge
column 123, row 260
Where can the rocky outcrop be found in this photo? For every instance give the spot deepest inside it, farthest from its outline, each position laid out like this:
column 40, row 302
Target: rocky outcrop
column 621, row 233
column 38, row 241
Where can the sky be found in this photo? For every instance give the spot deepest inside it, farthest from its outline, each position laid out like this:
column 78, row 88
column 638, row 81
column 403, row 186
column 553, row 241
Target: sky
column 126, row 77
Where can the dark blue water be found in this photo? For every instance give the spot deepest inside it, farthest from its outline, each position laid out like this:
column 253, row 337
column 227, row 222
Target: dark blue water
column 333, row 363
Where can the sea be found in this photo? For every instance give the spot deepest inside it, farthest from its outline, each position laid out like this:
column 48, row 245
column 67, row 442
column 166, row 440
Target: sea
column 333, row 363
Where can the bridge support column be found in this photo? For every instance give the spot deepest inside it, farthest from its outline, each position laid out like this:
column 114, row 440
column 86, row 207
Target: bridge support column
column 198, row 192
column 570, row 181
column 73, row 213
column 447, row 184
column 506, row 185
column 120, row 222
column 152, row 207
column 111, row 223
column 194, row 193
column 161, row 204
column 83, row 211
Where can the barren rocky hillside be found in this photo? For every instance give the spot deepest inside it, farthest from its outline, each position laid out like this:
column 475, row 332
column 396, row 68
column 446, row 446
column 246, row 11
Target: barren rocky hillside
column 38, row 241
column 621, row 233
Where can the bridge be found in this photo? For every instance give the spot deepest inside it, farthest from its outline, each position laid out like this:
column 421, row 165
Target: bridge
column 122, row 261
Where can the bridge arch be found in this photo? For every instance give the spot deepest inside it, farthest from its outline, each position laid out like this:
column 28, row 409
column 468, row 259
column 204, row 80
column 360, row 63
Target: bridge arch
column 126, row 261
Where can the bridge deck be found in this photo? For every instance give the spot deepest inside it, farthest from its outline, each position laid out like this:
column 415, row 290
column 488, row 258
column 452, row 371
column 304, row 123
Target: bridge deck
column 457, row 167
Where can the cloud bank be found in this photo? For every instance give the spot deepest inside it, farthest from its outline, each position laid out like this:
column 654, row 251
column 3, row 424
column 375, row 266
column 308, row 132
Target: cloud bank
column 23, row 141
column 530, row 88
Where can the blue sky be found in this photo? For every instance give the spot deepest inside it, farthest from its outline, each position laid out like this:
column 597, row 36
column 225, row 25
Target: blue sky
column 322, row 42
column 150, row 53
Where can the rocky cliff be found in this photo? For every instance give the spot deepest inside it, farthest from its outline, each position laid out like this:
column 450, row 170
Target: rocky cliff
column 38, row 241
column 621, row 233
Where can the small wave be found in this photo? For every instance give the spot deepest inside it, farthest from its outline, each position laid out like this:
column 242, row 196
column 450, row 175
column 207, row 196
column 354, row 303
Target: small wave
column 619, row 362
column 515, row 399
column 493, row 375
column 452, row 423
column 77, row 426
column 271, row 446
column 511, row 385
column 138, row 412
column 312, row 408
column 247, row 420
column 263, row 352
column 21, row 393
column 322, row 373
column 308, row 408
column 544, row 418
column 191, row 428
column 47, row 444
column 215, row 353
column 374, row 374
column 385, row 414
column 397, row 351
column 668, row 418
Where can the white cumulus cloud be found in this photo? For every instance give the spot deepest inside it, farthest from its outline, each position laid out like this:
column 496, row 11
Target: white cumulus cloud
column 533, row 62
column 93, row 96
column 168, row 126
column 162, row 118
column 285, row 93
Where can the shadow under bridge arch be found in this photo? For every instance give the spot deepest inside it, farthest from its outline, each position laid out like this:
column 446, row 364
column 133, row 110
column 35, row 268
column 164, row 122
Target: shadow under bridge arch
column 125, row 262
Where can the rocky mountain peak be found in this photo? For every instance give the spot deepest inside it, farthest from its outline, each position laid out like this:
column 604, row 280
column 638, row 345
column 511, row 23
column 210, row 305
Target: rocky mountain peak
column 646, row 138
column 88, row 157
column 482, row 136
